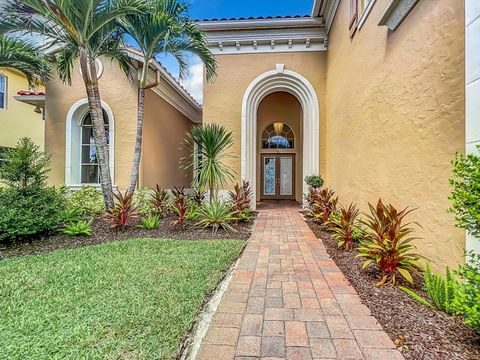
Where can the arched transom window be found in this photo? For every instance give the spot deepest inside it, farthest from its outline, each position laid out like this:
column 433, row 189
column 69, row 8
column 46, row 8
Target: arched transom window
column 90, row 173
column 278, row 136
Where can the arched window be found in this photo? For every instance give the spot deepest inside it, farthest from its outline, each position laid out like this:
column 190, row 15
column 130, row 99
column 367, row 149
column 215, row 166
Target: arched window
column 90, row 173
column 278, row 136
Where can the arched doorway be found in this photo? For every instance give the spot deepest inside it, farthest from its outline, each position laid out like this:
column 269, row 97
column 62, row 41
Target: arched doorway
column 280, row 80
column 279, row 148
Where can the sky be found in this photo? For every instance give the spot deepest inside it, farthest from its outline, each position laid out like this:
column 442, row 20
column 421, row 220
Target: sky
column 209, row 9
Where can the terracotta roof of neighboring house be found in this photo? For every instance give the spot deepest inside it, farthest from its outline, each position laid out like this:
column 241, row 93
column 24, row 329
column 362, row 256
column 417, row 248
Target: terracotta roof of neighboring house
column 30, row 93
column 185, row 91
column 255, row 18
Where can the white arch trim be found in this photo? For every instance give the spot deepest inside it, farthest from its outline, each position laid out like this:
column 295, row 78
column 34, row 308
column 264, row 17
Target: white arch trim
column 295, row 84
column 75, row 115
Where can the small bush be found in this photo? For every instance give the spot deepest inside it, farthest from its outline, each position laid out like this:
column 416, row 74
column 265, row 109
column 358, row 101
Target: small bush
column 28, row 213
column 150, row 222
column 240, row 197
column 88, row 199
column 467, row 299
column 123, row 211
column 324, row 203
column 314, row 181
column 180, row 208
column 216, row 214
column 197, row 196
column 387, row 243
column 441, row 290
column 466, row 192
column 72, row 214
column 160, row 201
column 345, row 225
column 142, row 201
column 244, row 216
column 77, row 228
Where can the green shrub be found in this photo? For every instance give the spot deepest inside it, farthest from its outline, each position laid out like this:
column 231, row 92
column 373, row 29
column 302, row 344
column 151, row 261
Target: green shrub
column 415, row 296
column 314, row 181
column 467, row 299
column 142, row 199
column 441, row 290
column 88, row 199
column 28, row 213
column 216, row 214
column 149, row 222
column 71, row 215
column 25, row 166
column 244, row 216
column 77, row 228
column 466, row 192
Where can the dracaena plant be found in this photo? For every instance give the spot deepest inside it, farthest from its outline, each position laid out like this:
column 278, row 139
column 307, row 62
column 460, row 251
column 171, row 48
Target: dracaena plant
column 324, row 204
column 123, row 210
column 180, row 206
column 240, row 197
column 345, row 226
column 159, row 200
column 388, row 243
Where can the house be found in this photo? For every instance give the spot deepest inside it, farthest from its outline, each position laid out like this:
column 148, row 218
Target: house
column 20, row 111
column 169, row 113
column 368, row 93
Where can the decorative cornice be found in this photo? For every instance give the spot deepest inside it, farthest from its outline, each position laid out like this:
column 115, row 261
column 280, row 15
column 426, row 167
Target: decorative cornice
column 265, row 35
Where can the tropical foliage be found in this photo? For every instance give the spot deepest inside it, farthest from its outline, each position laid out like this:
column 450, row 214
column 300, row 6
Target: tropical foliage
column 323, row 204
column 466, row 192
column 160, row 200
column 241, row 197
column 216, row 214
column 88, row 199
column 164, row 27
column 441, row 290
column 208, row 148
column 180, row 205
column 150, row 222
column 77, row 228
column 345, row 226
column 314, row 181
column 123, row 211
column 388, row 243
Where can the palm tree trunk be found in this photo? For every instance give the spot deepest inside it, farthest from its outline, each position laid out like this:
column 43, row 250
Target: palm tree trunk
column 138, row 141
column 89, row 75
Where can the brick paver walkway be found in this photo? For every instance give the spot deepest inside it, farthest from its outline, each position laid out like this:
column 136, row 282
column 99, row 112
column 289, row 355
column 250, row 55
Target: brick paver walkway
column 288, row 300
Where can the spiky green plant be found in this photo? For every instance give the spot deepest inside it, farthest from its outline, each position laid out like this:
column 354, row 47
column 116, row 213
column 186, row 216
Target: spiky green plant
column 345, row 225
column 441, row 290
column 149, row 222
column 77, row 228
column 208, row 146
column 415, row 296
column 216, row 214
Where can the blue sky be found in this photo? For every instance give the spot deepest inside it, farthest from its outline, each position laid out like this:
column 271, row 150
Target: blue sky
column 209, row 9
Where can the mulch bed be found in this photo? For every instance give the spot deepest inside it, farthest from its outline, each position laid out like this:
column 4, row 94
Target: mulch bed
column 102, row 232
column 420, row 333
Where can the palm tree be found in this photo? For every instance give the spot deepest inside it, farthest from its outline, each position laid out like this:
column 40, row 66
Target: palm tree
column 24, row 57
column 207, row 146
column 164, row 28
column 80, row 30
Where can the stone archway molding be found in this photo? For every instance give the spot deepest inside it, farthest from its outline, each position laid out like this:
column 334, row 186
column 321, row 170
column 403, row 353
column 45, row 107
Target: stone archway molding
column 269, row 82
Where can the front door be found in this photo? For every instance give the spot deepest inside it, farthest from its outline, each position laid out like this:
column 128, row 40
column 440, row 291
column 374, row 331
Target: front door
column 278, row 177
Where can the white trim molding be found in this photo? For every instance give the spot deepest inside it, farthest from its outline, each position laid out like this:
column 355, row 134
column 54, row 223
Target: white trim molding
column 272, row 81
column 265, row 35
column 395, row 12
column 75, row 115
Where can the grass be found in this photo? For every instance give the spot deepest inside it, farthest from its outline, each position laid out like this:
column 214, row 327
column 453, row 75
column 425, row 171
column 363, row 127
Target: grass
column 132, row 299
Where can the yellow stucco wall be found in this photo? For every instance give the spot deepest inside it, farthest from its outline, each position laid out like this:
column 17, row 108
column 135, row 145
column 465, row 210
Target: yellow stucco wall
column 223, row 98
column 395, row 116
column 281, row 107
column 19, row 119
column 164, row 131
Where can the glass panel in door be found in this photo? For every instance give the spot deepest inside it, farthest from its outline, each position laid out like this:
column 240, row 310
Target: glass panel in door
column 269, row 175
column 286, row 175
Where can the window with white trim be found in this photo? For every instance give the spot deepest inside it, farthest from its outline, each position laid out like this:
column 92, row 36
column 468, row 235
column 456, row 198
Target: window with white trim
column 90, row 173
column 3, row 92
column 278, row 136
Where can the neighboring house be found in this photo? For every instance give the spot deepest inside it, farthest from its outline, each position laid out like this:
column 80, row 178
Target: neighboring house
column 169, row 113
column 18, row 118
column 368, row 93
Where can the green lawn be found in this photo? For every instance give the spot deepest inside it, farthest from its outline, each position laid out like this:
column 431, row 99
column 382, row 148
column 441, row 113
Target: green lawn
column 132, row 299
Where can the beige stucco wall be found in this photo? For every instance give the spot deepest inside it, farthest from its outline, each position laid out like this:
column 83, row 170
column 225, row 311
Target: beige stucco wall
column 281, row 107
column 164, row 131
column 18, row 119
column 223, row 98
column 395, row 116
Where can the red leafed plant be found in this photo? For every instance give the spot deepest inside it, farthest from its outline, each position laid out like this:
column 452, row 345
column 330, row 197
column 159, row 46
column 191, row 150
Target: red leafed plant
column 160, row 200
column 179, row 206
column 241, row 197
column 345, row 226
column 123, row 210
column 387, row 243
column 324, row 203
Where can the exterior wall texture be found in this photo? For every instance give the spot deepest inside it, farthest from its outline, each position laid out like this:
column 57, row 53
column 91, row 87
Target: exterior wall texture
column 395, row 116
column 18, row 119
column 164, row 131
column 223, row 98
